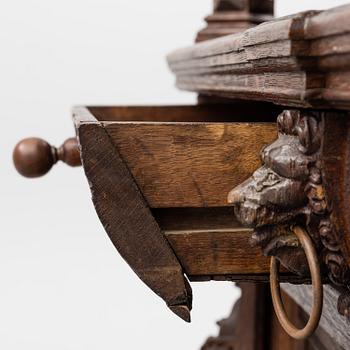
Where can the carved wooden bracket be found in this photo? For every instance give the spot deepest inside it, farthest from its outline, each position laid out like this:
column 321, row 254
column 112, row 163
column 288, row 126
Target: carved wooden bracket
column 288, row 189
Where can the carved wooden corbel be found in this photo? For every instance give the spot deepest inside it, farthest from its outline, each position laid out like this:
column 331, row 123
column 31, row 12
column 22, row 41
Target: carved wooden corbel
column 290, row 189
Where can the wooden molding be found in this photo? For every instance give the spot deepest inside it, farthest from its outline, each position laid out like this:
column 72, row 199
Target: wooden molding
column 300, row 60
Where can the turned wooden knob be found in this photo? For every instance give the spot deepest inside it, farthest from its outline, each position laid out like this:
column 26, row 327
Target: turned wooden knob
column 34, row 157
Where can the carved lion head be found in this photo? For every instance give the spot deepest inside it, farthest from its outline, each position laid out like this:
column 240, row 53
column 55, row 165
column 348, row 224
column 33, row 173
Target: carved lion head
column 287, row 189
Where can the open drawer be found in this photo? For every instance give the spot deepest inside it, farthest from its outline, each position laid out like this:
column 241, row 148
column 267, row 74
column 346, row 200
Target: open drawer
column 159, row 178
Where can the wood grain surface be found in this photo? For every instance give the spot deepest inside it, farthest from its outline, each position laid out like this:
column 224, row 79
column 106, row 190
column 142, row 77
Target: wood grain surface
column 253, row 325
column 184, row 171
column 300, row 60
column 189, row 164
column 334, row 324
column 218, row 252
column 127, row 218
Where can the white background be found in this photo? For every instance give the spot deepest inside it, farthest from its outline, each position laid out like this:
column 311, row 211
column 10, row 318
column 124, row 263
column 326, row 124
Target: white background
column 62, row 284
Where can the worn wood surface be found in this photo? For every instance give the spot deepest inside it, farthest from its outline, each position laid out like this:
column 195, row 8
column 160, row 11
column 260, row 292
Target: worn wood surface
column 223, row 254
column 179, row 219
column 198, row 224
column 221, row 110
column 303, row 181
column 336, row 155
column 286, row 187
column 278, row 336
column 334, row 324
column 320, row 340
column 247, row 327
column 253, row 324
column 210, row 242
column 212, row 245
column 301, row 60
column 127, row 218
column 189, row 164
column 217, row 252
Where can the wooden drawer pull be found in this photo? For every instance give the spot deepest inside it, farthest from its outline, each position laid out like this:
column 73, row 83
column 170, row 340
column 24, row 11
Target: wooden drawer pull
column 34, row 157
column 316, row 311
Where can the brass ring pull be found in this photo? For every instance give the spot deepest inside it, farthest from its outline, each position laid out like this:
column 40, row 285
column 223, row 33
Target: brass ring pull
column 316, row 310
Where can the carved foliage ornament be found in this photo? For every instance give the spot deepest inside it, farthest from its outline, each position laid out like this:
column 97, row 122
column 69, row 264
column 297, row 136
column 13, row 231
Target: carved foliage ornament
column 289, row 189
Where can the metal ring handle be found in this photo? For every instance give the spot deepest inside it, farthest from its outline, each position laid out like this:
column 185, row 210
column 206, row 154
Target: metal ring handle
column 316, row 310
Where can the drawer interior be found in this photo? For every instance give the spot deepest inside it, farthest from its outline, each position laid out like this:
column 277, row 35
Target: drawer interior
column 238, row 112
column 184, row 161
column 189, row 156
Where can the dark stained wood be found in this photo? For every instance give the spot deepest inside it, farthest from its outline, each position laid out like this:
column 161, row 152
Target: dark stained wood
column 223, row 254
column 180, row 168
column 183, row 158
column 253, row 310
column 178, row 219
column 286, row 187
column 300, row 60
column 209, row 242
column 303, row 181
column 246, row 327
column 333, row 324
column 220, row 110
column 253, row 324
column 34, row 157
column 277, row 334
column 320, row 340
column 336, row 155
column 126, row 217
column 212, row 245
